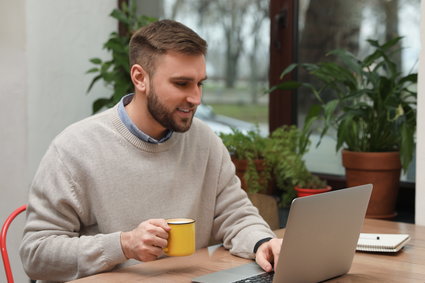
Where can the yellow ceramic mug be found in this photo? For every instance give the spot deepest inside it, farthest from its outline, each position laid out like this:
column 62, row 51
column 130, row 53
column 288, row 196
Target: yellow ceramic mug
column 181, row 238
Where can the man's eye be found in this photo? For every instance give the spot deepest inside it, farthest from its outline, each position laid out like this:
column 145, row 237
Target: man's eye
column 181, row 84
column 200, row 84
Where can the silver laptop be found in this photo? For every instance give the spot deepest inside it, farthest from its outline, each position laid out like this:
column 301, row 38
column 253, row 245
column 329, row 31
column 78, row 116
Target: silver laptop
column 319, row 241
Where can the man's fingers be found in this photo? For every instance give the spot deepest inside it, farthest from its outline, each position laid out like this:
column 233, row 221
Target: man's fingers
column 268, row 254
column 263, row 263
column 264, row 258
column 151, row 253
column 146, row 241
column 160, row 223
column 159, row 242
column 155, row 227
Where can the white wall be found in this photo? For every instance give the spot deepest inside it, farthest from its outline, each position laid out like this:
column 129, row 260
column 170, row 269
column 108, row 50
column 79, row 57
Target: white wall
column 62, row 36
column 13, row 117
column 420, row 149
column 44, row 50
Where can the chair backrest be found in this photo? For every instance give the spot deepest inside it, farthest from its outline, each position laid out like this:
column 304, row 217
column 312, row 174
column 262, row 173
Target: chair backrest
column 3, row 247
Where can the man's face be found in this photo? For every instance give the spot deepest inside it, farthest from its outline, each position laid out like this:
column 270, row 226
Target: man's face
column 176, row 89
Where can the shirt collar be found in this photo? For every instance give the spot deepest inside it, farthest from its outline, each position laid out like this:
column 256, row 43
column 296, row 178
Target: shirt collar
column 132, row 127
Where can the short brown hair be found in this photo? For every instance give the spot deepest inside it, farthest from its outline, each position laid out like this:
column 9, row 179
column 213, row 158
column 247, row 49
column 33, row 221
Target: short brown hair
column 159, row 38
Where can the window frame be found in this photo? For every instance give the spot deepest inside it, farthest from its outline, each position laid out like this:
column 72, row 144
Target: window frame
column 283, row 42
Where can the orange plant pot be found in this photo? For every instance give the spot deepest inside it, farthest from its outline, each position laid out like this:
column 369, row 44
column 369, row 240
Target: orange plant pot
column 382, row 169
column 241, row 167
column 303, row 192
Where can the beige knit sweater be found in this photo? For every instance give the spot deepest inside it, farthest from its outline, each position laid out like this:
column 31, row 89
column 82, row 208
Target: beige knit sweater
column 97, row 179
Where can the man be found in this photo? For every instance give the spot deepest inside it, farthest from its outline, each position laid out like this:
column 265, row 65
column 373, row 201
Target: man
column 106, row 183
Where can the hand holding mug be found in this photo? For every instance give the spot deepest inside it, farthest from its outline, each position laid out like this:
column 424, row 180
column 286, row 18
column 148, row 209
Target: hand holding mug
column 147, row 241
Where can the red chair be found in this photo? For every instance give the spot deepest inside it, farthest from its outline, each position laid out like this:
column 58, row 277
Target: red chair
column 4, row 254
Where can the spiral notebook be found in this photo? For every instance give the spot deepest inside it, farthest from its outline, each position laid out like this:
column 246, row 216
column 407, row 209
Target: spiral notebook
column 369, row 242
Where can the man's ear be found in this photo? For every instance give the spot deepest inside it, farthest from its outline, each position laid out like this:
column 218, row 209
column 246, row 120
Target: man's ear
column 140, row 78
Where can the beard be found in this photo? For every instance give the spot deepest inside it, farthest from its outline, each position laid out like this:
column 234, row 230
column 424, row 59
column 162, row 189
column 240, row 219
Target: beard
column 165, row 117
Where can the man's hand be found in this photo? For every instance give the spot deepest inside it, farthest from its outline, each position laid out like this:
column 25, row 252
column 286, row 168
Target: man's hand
column 268, row 254
column 145, row 243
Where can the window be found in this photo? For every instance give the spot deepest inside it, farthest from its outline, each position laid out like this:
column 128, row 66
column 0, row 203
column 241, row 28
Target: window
column 321, row 26
column 237, row 33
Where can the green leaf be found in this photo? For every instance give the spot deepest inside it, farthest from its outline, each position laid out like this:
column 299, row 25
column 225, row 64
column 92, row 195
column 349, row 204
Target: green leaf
column 412, row 78
column 120, row 16
column 98, row 104
column 96, row 61
column 95, row 79
column 407, row 145
column 390, row 43
column 348, row 59
column 287, row 85
column 122, row 61
column 288, row 69
column 114, row 45
column 92, row 70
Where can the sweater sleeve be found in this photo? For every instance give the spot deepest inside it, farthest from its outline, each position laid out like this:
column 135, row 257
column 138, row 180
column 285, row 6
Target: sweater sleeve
column 59, row 242
column 237, row 220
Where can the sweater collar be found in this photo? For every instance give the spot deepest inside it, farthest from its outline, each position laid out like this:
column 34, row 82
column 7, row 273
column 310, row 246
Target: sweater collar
column 122, row 113
column 135, row 140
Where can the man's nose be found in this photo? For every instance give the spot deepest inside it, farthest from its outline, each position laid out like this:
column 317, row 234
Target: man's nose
column 195, row 97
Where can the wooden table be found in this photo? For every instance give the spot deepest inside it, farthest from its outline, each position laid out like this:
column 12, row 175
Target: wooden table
column 405, row 266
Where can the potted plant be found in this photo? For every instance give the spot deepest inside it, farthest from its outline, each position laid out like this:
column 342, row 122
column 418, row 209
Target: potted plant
column 247, row 153
column 372, row 107
column 115, row 73
column 274, row 165
column 310, row 184
column 285, row 151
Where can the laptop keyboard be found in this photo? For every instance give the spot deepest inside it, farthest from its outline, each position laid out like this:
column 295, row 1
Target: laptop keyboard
column 260, row 278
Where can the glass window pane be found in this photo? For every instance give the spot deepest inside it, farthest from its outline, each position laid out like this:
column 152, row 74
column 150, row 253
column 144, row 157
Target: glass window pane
column 329, row 24
column 238, row 38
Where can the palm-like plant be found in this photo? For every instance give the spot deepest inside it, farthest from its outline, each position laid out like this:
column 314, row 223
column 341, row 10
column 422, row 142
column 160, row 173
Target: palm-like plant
column 372, row 105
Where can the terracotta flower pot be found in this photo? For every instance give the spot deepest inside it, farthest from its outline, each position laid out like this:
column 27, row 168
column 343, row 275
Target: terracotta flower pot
column 241, row 167
column 382, row 169
column 303, row 192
